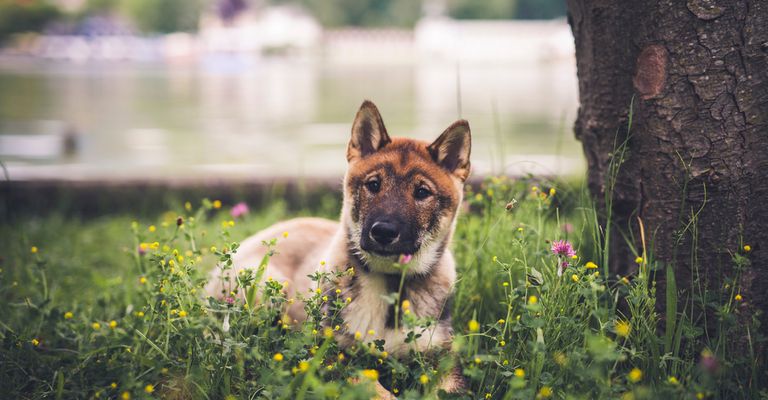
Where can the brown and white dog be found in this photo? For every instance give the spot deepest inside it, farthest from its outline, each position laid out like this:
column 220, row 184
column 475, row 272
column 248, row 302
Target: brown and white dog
column 401, row 200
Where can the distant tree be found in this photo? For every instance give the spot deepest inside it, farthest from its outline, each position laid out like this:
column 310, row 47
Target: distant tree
column 24, row 16
column 164, row 16
column 333, row 13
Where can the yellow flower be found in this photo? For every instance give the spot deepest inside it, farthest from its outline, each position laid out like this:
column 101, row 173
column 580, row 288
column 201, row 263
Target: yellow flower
column 149, row 388
column 624, row 280
column 33, row 250
column 560, row 359
column 371, row 332
column 126, row 395
column 478, row 360
column 700, row 395
column 217, row 204
column 623, row 328
column 96, row 326
column 113, row 324
column 488, row 396
column 502, row 343
column 535, row 189
column 590, row 265
column 575, row 278
column 348, row 299
column 552, row 191
column 325, row 298
column 278, row 357
column 519, row 372
column 140, row 314
column 424, row 379
column 143, row 280
column 501, row 321
column 384, row 354
column 303, row 366
column 182, row 314
column 68, row 315
column 639, row 260
column 545, row 392
column 338, row 291
column 358, row 335
column 738, row 297
column 747, row 248
column 371, row 374
column 494, row 258
column 113, row 385
column 672, row 380
column 574, row 257
column 285, row 234
column 635, row 375
column 328, row 333
column 505, row 284
column 474, row 326
column 35, row 342
column 533, row 300
column 341, row 357
column 520, row 229
column 152, row 228
column 188, row 206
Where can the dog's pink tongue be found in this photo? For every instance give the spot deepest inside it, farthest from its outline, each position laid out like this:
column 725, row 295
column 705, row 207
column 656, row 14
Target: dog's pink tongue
column 405, row 258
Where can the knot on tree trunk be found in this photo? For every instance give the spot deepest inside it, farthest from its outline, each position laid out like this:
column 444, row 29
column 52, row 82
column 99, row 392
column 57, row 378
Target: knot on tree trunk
column 651, row 71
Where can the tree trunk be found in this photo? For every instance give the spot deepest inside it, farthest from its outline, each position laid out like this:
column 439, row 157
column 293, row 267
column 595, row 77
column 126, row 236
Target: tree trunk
column 698, row 143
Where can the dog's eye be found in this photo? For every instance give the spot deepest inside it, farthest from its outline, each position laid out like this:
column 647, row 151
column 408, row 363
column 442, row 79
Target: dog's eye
column 373, row 186
column 422, row 193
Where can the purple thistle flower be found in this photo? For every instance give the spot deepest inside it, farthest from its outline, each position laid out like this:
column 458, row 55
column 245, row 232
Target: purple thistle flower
column 239, row 209
column 563, row 248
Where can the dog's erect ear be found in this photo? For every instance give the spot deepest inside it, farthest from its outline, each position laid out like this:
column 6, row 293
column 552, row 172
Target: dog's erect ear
column 451, row 150
column 368, row 132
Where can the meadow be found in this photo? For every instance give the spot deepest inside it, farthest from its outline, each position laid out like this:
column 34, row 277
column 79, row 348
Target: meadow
column 113, row 307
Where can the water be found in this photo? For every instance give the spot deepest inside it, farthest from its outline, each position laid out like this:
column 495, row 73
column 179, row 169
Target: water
column 239, row 117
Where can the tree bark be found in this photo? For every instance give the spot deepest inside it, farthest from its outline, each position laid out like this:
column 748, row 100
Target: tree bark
column 698, row 144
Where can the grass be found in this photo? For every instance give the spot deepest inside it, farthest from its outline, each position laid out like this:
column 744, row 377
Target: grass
column 113, row 308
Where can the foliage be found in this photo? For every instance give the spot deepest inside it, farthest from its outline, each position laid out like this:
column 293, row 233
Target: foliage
column 24, row 16
column 164, row 16
column 111, row 308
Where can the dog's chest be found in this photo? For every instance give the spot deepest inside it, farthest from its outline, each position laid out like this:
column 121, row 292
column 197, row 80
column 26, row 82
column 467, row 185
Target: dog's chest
column 369, row 309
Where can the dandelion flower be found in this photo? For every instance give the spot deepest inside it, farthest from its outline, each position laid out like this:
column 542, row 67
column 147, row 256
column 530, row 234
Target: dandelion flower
column 747, row 248
column 371, row 374
column 575, row 278
column 501, row 321
column 478, row 360
column 738, row 297
column 113, row 324
column 552, row 192
column 143, row 280
column 152, row 228
column 358, row 335
column 113, row 385
column 424, row 379
column 149, row 388
column 623, row 328
column 285, row 234
column 278, row 357
column 474, row 326
column 68, row 315
column 533, row 300
column 672, row 380
column 35, row 342
column 545, row 392
column 96, row 326
column 303, row 366
column 182, row 314
column 405, row 305
column 126, row 395
column 590, row 265
column 33, row 250
column 371, row 332
column 639, row 260
column 519, row 372
column 217, row 204
column 635, row 375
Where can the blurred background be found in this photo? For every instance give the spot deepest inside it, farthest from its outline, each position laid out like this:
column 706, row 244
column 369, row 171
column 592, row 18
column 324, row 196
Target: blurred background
column 158, row 90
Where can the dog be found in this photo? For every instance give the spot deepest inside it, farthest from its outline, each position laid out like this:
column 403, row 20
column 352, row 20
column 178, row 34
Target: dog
column 401, row 201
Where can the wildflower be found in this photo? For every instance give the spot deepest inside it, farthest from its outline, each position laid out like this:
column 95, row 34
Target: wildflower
column 278, row 357
column 502, row 343
column 68, row 315
column 113, row 385
column 535, row 189
column 328, row 333
column 113, row 324
column 635, row 375
column 404, row 259
column 474, row 326
column 142, row 249
column 154, row 245
column 747, row 248
column 217, row 204
column 520, row 373
column 325, row 298
column 520, row 229
column 560, row 359
column 487, row 395
column 143, row 280
column 478, row 197
column 494, row 259
column 229, row 300
column 303, row 366
column 336, row 328
column 563, row 248
column 238, row 210
column 709, row 361
column 567, row 227
column 405, row 305
column 149, row 388
column 140, row 314
column 341, row 357
column 532, row 300
column 182, row 314
column 371, row 332
column 639, row 260
column 623, row 328
column 358, row 335
column 348, row 300
column 700, row 395
column 590, row 265
column 505, row 284
column 33, row 250
column 179, row 221
column 285, row 234
column 575, row 278
column 672, row 380
column 552, row 192
column 545, row 392
column 338, row 291
column 35, row 342
column 624, row 280
column 424, row 379
column 152, row 228
column 96, row 326
column 371, row 374
column 478, row 360
column 501, row 321
column 738, row 297
column 188, row 206
column 126, row 395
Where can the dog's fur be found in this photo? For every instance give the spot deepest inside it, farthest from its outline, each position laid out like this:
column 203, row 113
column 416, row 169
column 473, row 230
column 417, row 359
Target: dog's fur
column 407, row 188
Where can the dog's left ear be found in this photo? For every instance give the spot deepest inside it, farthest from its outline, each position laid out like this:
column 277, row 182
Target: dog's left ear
column 368, row 132
column 451, row 150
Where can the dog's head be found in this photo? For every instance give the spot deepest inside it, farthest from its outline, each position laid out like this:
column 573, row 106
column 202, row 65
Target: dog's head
column 401, row 196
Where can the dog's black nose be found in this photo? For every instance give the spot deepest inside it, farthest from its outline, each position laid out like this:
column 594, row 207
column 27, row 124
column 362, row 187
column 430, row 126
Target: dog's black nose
column 384, row 232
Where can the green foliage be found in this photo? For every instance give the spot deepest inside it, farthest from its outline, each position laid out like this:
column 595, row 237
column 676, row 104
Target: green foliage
column 24, row 16
column 522, row 330
column 334, row 13
column 164, row 16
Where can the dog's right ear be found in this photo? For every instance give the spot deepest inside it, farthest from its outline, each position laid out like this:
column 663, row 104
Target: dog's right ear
column 368, row 132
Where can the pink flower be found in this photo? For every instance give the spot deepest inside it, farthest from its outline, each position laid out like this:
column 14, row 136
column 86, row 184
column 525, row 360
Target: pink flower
column 230, row 300
column 567, row 228
column 239, row 209
column 563, row 248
